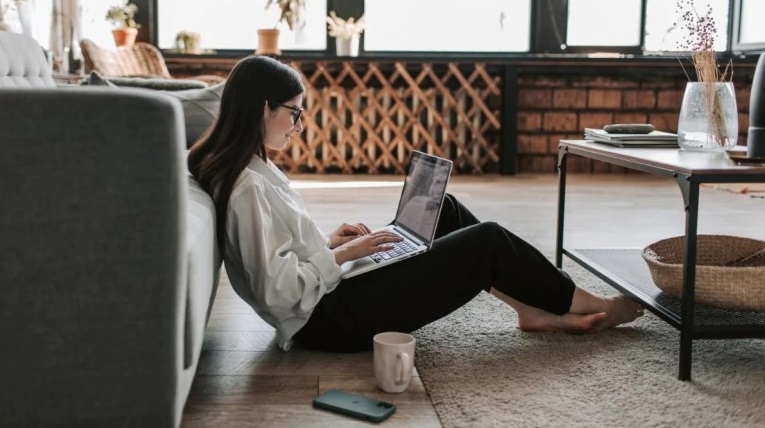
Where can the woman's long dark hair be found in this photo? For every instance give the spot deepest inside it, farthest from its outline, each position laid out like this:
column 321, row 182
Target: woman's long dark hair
column 218, row 158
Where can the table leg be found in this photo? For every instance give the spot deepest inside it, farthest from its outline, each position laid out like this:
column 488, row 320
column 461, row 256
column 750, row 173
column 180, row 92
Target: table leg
column 690, row 191
column 562, row 157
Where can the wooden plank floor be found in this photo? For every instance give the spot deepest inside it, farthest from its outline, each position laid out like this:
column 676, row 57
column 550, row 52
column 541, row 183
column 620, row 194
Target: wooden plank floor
column 243, row 379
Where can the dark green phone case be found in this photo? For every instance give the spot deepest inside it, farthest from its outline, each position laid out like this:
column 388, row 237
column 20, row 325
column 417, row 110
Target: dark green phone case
column 354, row 405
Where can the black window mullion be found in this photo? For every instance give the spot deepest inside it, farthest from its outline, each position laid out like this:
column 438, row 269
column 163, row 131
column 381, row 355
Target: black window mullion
column 643, row 20
column 147, row 19
column 549, row 19
column 344, row 9
column 734, row 39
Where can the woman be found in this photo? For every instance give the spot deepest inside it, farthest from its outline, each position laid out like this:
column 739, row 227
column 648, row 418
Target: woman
column 289, row 271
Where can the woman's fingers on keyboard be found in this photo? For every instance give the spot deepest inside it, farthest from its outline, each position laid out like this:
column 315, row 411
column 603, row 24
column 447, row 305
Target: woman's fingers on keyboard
column 385, row 237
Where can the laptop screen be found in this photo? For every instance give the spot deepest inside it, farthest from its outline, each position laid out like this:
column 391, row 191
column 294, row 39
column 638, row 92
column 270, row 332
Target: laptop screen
column 423, row 195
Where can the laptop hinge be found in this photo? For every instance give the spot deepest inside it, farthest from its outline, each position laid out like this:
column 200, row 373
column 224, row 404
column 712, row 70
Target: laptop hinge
column 409, row 235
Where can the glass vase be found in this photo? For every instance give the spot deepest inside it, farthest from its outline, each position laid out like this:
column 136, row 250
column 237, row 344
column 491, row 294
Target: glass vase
column 708, row 117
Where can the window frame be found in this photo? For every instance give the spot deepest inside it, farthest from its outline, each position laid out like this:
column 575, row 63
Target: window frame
column 619, row 49
column 735, row 44
column 546, row 17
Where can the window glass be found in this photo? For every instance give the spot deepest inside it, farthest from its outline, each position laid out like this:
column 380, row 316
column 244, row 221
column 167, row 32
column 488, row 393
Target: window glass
column 31, row 17
column 439, row 25
column 93, row 23
column 234, row 24
column 664, row 30
column 603, row 23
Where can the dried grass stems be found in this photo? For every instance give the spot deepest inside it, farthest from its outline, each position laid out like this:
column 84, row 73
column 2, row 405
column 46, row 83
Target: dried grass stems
column 345, row 29
column 702, row 30
column 291, row 12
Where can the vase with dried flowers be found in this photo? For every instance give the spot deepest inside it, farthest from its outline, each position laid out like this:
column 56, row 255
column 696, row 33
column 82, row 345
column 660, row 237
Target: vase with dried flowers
column 708, row 116
column 122, row 16
column 346, row 33
column 291, row 13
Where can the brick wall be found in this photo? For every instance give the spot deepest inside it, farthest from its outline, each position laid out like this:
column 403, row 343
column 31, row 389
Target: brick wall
column 551, row 108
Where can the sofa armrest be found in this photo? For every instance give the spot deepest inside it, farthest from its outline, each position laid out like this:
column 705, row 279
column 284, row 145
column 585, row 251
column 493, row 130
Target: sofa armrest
column 91, row 257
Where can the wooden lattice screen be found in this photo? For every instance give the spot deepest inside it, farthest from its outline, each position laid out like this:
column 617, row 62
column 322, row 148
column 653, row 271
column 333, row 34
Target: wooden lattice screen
column 369, row 116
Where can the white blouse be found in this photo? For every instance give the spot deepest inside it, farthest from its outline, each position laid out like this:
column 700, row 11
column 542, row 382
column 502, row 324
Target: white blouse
column 276, row 257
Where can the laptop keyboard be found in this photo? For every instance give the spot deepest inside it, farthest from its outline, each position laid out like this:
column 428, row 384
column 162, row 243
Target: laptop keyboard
column 399, row 248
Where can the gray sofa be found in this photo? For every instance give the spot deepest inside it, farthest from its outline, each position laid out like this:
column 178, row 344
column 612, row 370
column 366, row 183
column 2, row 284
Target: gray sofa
column 108, row 260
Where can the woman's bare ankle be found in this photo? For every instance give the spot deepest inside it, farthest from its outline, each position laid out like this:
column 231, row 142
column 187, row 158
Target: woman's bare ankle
column 585, row 302
column 536, row 320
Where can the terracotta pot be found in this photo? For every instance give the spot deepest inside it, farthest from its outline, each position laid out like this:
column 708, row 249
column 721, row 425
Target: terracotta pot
column 268, row 42
column 124, row 36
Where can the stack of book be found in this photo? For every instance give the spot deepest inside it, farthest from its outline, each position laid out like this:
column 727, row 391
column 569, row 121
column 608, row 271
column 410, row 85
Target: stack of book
column 651, row 139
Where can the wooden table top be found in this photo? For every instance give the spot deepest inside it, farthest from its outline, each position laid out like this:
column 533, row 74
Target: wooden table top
column 683, row 161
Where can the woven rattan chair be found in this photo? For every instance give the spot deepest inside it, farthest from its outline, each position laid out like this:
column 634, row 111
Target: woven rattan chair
column 139, row 60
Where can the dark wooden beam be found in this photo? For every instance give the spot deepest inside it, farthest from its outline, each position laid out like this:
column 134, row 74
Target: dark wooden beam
column 146, row 18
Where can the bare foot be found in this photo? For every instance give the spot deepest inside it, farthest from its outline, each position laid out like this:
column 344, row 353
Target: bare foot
column 533, row 319
column 620, row 309
column 603, row 313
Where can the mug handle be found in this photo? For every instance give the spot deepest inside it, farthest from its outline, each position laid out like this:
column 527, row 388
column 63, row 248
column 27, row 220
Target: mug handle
column 402, row 373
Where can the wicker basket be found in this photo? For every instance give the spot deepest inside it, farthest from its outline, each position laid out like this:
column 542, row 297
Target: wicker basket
column 730, row 270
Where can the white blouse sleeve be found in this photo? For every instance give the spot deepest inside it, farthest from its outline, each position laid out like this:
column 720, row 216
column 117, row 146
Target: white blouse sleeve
column 265, row 232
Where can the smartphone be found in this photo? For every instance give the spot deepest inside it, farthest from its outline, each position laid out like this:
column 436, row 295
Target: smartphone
column 354, row 405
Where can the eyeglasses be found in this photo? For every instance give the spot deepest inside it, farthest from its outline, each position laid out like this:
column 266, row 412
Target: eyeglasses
column 296, row 111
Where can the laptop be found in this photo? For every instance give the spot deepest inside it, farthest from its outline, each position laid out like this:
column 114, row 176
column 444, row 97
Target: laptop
column 416, row 217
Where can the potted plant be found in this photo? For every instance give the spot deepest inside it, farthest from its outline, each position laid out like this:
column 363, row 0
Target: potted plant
column 123, row 17
column 188, row 42
column 291, row 13
column 346, row 33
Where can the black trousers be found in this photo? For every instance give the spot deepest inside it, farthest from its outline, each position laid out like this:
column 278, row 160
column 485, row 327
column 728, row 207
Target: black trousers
column 467, row 256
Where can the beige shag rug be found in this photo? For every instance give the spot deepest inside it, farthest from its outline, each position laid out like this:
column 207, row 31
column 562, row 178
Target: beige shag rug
column 481, row 371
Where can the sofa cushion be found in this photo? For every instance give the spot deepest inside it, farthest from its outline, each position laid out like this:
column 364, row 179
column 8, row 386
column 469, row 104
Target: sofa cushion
column 95, row 78
column 23, row 63
column 200, row 106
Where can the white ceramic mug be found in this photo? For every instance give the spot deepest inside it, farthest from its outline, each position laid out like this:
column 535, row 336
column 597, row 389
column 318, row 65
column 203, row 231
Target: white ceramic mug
column 393, row 360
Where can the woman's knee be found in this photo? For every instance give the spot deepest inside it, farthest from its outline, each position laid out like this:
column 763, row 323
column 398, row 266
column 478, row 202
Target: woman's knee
column 496, row 236
column 490, row 228
column 450, row 203
column 483, row 235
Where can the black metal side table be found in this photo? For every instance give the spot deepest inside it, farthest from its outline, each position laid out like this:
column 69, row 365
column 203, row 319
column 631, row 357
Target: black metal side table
column 626, row 271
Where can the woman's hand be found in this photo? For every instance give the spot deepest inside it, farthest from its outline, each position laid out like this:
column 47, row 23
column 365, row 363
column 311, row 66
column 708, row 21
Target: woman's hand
column 365, row 245
column 347, row 232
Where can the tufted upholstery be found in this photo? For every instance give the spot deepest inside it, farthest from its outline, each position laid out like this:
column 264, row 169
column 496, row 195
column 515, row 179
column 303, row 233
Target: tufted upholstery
column 23, row 63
